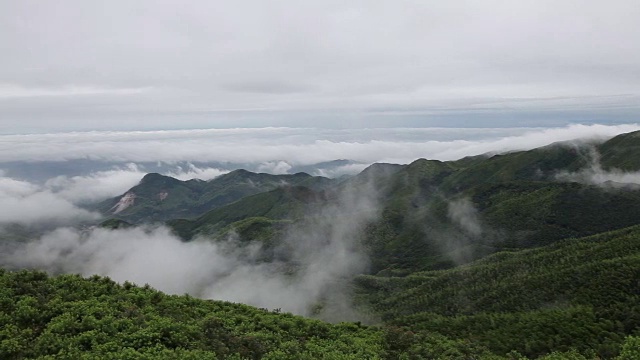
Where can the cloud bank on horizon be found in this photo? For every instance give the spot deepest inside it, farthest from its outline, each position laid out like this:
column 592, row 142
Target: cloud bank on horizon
column 78, row 65
column 59, row 197
column 276, row 149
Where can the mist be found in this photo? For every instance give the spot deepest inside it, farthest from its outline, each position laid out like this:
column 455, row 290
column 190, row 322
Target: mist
column 594, row 174
column 465, row 215
column 316, row 256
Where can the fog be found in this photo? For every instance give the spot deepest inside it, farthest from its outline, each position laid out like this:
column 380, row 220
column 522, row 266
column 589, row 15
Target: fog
column 594, row 174
column 462, row 213
column 317, row 256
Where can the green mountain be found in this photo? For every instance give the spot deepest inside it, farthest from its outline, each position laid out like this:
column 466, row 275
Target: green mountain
column 159, row 198
column 440, row 214
column 283, row 203
column 436, row 215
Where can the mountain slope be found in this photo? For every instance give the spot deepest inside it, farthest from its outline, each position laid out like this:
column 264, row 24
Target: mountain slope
column 439, row 214
column 287, row 202
column 160, row 198
column 436, row 214
column 579, row 293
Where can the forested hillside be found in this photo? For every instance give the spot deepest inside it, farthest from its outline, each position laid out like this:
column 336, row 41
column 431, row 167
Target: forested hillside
column 70, row 317
column 578, row 293
column 159, row 197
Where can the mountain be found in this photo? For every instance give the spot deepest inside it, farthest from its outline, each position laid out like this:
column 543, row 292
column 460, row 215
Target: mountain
column 283, row 203
column 440, row 214
column 436, row 214
column 159, row 198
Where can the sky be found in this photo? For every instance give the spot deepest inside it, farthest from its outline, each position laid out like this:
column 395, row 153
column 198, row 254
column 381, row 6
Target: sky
column 153, row 65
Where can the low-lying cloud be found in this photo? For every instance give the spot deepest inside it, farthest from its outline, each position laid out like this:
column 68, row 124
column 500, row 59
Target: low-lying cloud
column 60, row 200
column 594, row 174
column 462, row 213
column 320, row 253
column 25, row 203
column 316, row 255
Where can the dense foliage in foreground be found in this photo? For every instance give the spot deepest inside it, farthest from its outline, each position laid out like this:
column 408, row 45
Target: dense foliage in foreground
column 69, row 317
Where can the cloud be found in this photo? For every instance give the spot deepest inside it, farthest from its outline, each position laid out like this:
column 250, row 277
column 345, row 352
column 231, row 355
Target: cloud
column 322, row 251
column 95, row 186
column 12, row 91
column 24, row 203
column 342, row 170
column 191, row 171
column 274, row 167
column 594, row 174
column 293, row 145
column 59, row 199
column 464, row 214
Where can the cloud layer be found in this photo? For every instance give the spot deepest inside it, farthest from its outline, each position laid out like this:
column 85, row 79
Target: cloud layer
column 322, row 250
column 271, row 146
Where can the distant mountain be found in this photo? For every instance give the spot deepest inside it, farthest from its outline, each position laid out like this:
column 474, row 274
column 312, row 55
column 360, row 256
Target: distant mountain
column 159, row 198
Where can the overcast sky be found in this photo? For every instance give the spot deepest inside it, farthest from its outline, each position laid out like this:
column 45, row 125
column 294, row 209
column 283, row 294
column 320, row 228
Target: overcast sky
column 86, row 65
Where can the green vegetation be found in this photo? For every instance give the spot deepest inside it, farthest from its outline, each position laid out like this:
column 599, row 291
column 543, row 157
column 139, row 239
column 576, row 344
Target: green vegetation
column 284, row 203
column 160, row 198
column 69, row 317
column 579, row 294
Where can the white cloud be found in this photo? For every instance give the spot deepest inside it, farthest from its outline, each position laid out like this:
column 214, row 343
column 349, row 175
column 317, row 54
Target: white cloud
column 295, row 146
column 24, row 203
column 349, row 169
column 275, row 167
column 12, row 91
column 324, row 249
column 193, row 172
column 594, row 174
column 95, row 186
